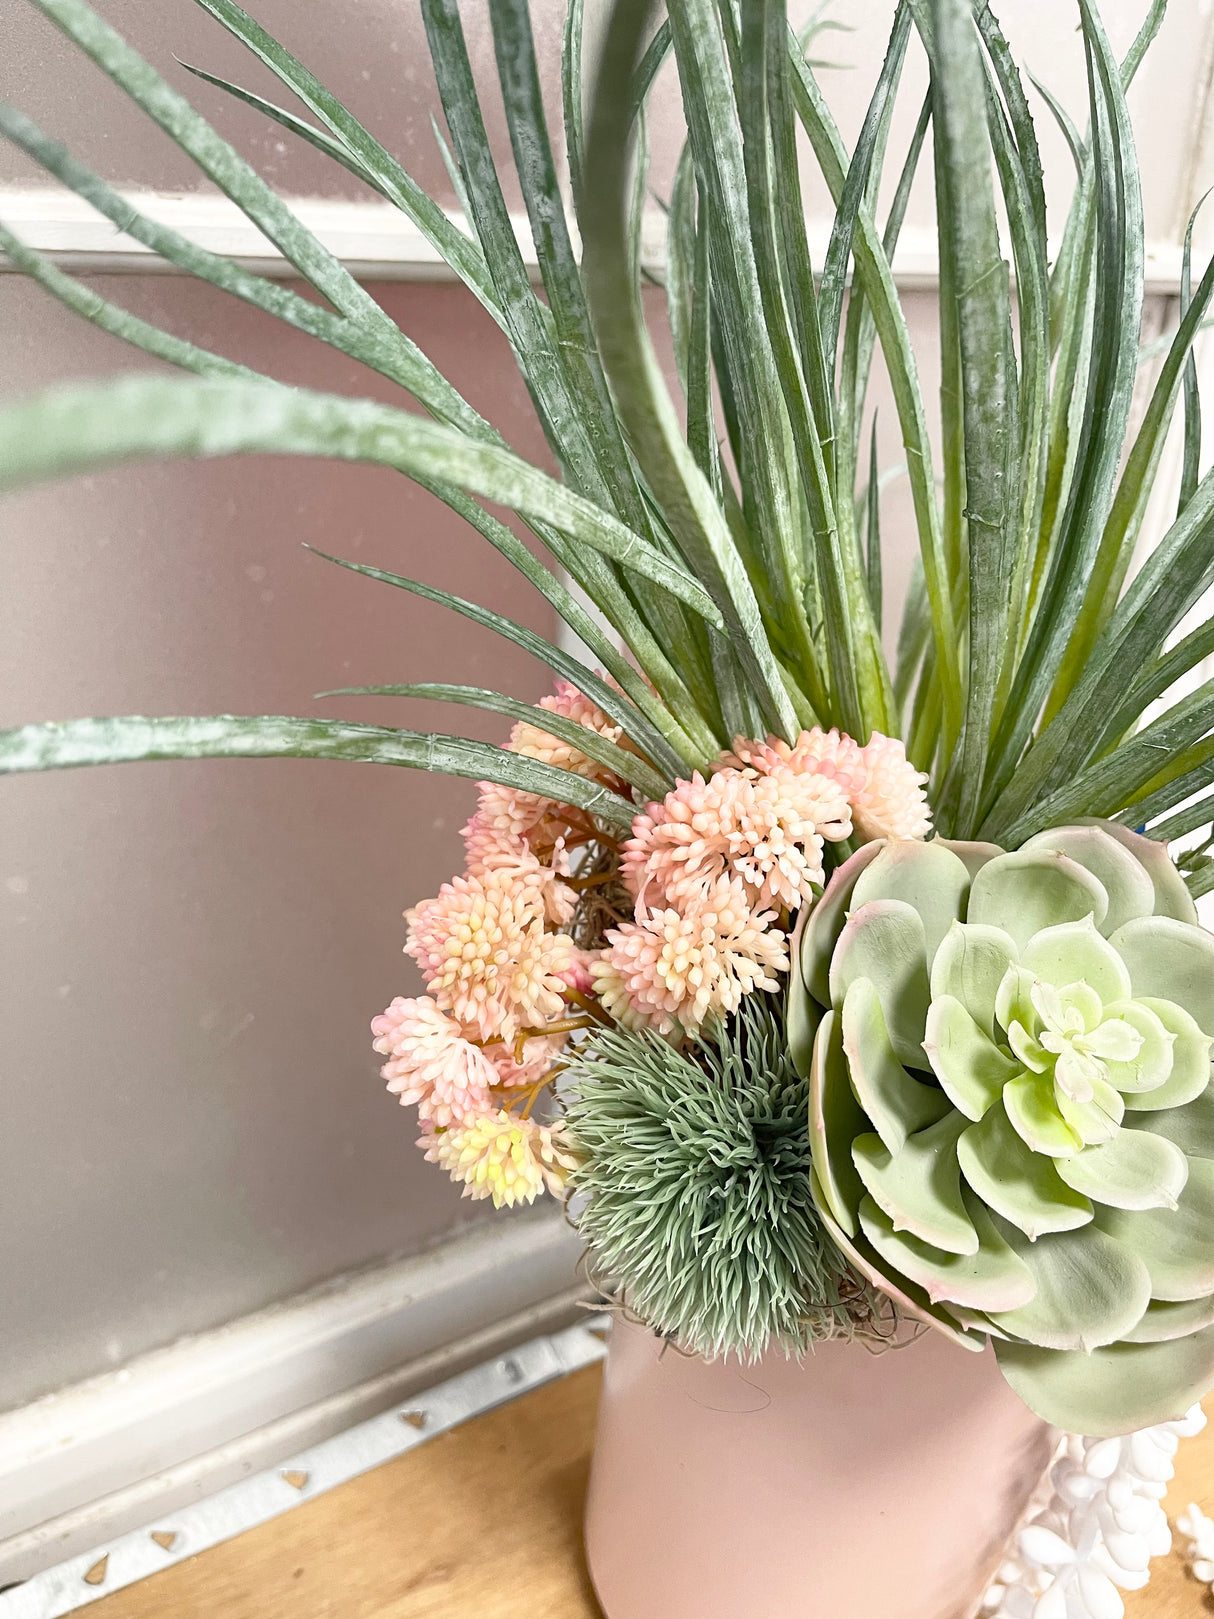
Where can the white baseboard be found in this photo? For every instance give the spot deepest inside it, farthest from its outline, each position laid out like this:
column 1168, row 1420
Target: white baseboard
column 101, row 1458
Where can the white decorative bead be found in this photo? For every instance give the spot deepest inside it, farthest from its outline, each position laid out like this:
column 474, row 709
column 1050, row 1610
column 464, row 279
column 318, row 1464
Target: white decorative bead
column 1094, row 1524
column 1100, row 1596
column 1198, row 1530
column 1044, row 1547
column 1051, row 1604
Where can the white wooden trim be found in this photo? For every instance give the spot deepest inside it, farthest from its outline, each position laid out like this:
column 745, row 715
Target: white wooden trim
column 374, row 239
column 114, row 1562
column 182, row 1422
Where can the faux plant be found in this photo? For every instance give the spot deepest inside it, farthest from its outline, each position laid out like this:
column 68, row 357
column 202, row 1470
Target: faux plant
column 989, row 1021
column 1049, row 1180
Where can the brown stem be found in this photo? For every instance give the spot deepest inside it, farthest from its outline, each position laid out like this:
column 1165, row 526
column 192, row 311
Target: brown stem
column 590, row 1006
column 561, row 1026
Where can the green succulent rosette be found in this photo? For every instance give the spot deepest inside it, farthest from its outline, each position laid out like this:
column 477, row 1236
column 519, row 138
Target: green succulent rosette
column 1011, row 1114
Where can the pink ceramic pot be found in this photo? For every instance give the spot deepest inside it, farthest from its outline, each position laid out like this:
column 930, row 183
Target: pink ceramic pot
column 852, row 1486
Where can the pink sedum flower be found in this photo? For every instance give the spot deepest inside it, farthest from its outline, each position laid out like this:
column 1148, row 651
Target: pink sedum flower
column 670, row 970
column 486, row 957
column 570, row 704
column 509, row 822
column 525, row 869
column 578, row 974
column 430, row 1063
column 764, row 830
column 892, row 803
column 883, row 788
column 510, row 1160
column 539, row 1055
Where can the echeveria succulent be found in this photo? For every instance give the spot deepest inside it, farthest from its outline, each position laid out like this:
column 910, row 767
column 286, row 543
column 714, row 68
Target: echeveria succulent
column 1011, row 1115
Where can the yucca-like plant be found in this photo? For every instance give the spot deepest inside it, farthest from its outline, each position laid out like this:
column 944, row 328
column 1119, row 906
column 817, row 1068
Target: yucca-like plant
column 738, row 561
column 728, row 543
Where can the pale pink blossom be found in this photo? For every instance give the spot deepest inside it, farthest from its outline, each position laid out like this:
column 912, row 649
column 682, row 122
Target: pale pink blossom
column 766, row 831
column 486, row 957
column 819, row 753
column 521, row 866
column 577, row 975
column 892, row 803
column 535, row 743
column 509, row 821
column 430, row 1062
column 672, row 969
column 509, row 1159
column 884, row 789
column 540, row 1053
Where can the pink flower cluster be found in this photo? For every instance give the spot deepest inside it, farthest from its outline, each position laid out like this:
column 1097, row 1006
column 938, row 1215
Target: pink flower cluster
column 715, row 872
column 718, row 866
column 500, row 974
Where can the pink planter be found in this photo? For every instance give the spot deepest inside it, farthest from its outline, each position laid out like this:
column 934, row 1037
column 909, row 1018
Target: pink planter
column 854, row 1486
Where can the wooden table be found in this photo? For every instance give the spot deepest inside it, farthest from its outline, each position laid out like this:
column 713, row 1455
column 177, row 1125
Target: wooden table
column 482, row 1523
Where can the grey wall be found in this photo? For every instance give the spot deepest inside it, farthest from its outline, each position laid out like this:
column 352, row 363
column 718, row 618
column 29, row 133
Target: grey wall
column 189, row 953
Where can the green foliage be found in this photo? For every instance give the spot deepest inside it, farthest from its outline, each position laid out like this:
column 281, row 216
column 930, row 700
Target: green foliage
column 695, row 1193
column 731, row 552
column 1011, row 1113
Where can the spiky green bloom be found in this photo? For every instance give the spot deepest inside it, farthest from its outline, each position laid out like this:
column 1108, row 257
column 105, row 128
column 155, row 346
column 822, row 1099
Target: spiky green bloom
column 695, row 1194
column 1011, row 1111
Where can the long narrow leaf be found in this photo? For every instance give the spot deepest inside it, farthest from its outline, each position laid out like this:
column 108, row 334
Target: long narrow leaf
column 584, row 738
column 389, row 177
column 216, row 159
column 645, row 405
column 969, row 235
column 613, row 704
column 392, row 356
column 877, row 282
column 67, row 744
column 109, row 317
column 1108, row 395
column 73, row 428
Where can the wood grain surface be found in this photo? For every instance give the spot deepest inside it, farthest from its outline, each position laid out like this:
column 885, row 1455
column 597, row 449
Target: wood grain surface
column 483, row 1523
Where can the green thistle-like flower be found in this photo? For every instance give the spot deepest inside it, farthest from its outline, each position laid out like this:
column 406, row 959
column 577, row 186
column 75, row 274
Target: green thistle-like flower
column 1011, row 1114
column 694, row 1190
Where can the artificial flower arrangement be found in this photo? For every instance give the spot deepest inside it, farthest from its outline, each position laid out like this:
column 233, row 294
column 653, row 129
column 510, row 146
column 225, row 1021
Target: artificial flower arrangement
column 833, row 994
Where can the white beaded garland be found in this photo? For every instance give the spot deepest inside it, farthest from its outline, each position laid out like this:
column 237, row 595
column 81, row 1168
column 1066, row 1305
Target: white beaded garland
column 1093, row 1526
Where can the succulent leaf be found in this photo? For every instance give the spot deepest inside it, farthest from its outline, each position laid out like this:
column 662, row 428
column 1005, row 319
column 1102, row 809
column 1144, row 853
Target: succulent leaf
column 1139, row 1171
column 1022, row 1185
column 1174, row 1243
column 1026, row 892
column 909, row 1298
column 1188, row 1074
column 1029, row 1103
column 826, row 921
column 1090, row 1290
column 928, row 877
column 970, row 965
column 971, row 1069
column 1012, row 1114
column 835, row 1119
column 1163, row 1322
column 919, row 1188
column 896, row 1102
column 884, row 941
column 1172, row 898
column 1114, row 1390
column 1124, row 879
column 1074, row 952
column 1170, row 961
column 973, row 854
column 992, row 1278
